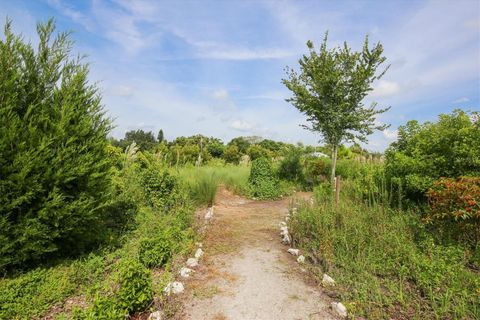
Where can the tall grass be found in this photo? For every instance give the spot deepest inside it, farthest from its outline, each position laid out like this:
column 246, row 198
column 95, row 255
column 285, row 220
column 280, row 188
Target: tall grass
column 203, row 182
column 385, row 262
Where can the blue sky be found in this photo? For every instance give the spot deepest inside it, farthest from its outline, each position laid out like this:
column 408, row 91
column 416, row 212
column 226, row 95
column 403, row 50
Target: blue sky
column 215, row 67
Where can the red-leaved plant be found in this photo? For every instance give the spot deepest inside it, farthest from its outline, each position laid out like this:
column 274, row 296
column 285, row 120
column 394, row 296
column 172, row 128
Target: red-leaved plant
column 455, row 207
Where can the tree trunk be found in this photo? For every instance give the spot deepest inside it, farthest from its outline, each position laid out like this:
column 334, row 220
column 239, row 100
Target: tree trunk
column 334, row 165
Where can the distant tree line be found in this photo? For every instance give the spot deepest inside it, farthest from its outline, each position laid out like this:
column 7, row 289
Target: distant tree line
column 183, row 150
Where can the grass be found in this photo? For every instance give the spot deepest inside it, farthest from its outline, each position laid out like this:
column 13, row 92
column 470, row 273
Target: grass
column 384, row 261
column 204, row 181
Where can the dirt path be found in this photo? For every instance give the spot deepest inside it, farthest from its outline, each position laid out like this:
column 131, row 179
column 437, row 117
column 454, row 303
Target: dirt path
column 246, row 272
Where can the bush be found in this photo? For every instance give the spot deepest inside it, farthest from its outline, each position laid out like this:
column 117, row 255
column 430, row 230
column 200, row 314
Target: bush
column 316, row 171
column 425, row 152
column 127, row 291
column 232, row 154
column 290, row 168
column 455, row 208
column 160, row 187
column 54, row 164
column 155, row 252
column 262, row 181
column 256, row 151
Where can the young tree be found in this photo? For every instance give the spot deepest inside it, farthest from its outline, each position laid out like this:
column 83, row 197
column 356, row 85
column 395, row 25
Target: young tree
column 330, row 88
column 54, row 162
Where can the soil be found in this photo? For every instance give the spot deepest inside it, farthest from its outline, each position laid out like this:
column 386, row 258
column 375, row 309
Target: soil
column 246, row 273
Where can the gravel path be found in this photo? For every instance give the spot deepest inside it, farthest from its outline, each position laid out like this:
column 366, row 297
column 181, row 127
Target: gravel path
column 246, row 272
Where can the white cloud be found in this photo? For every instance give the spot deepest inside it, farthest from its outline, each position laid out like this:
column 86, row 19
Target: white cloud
column 71, row 13
column 242, row 125
column 220, row 94
column 390, row 134
column 461, row 100
column 385, row 89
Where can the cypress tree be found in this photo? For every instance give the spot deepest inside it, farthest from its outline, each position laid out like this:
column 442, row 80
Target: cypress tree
column 54, row 168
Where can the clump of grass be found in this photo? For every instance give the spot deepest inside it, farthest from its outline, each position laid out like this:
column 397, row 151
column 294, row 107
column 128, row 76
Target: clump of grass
column 384, row 260
column 204, row 181
column 204, row 189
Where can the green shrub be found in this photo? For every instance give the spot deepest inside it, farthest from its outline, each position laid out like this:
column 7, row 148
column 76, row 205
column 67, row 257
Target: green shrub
column 232, row 154
column 256, row 151
column 290, row 168
column 160, row 187
column 54, row 164
column 315, row 171
column 155, row 252
column 425, row 152
column 262, row 181
column 128, row 290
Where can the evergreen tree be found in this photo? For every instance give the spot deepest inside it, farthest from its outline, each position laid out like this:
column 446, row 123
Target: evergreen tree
column 160, row 136
column 54, row 166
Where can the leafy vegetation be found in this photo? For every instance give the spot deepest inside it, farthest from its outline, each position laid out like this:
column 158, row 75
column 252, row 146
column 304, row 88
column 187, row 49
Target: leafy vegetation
column 429, row 151
column 127, row 290
column 455, row 209
column 262, row 180
column 384, row 260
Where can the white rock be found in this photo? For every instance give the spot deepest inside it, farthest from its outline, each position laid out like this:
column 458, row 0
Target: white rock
column 287, row 218
column 283, row 230
column 157, row 315
column 199, row 244
column 327, row 280
column 294, row 210
column 198, row 253
column 192, row 262
column 209, row 214
column 177, row 287
column 294, row 252
column 174, row 287
column 283, row 224
column 340, row 309
column 286, row 239
column 185, row 272
column 301, row 259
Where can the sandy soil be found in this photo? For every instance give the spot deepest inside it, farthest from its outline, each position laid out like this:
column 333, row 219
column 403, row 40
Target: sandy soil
column 246, row 272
